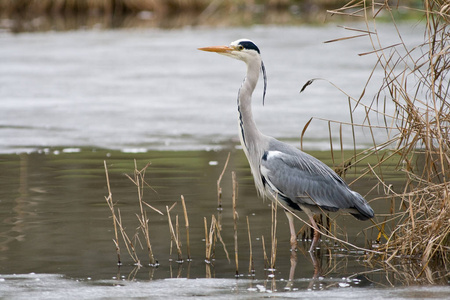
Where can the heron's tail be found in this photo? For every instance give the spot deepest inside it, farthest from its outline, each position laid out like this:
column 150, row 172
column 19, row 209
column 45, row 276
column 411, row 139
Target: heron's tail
column 362, row 210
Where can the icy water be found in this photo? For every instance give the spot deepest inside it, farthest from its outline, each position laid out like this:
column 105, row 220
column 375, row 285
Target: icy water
column 152, row 89
column 70, row 101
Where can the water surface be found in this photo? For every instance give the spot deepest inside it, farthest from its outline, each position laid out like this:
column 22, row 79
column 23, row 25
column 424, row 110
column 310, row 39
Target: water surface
column 152, row 89
column 56, row 231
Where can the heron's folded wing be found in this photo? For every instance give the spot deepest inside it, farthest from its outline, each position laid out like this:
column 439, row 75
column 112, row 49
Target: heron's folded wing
column 305, row 180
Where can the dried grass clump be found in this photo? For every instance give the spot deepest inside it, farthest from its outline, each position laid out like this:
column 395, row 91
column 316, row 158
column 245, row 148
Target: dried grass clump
column 142, row 232
column 417, row 83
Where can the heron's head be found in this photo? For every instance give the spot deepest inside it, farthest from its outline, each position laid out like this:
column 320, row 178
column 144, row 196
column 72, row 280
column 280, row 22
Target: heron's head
column 242, row 49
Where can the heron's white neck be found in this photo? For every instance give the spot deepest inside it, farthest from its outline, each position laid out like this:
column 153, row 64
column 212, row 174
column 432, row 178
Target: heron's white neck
column 248, row 132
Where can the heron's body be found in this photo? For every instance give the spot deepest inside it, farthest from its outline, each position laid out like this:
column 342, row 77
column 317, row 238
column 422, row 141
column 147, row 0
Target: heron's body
column 281, row 171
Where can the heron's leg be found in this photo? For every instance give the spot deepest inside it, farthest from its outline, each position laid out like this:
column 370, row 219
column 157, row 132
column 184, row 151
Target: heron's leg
column 292, row 229
column 316, row 237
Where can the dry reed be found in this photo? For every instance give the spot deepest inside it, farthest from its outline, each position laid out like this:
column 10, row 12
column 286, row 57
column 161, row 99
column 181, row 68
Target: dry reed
column 273, row 235
column 251, row 268
column 139, row 181
column 416, row 83
column 186, row 221
column 235, row 217
column 265, row 257
column 211, row 235
column 117, row 223
column 174, row 234
column 109, row 201
column 219, row 180
column 207, row 242
column 130, row 243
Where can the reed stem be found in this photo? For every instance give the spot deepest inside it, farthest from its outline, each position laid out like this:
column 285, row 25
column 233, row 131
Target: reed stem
column 219, row 188
column 186, row 220
column 235, row 216
column 109, row 201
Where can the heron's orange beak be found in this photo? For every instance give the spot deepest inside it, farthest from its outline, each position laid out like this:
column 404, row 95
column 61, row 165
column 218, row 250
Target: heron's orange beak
column 218, row 49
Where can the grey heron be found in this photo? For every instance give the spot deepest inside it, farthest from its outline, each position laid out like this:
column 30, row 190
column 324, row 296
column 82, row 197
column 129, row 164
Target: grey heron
column 281, row 171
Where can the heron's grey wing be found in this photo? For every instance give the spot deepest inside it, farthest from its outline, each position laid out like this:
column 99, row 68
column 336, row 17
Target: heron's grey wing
column 304, row 179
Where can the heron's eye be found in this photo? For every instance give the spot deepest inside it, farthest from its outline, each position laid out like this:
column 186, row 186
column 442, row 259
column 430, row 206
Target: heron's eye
column 240, row 47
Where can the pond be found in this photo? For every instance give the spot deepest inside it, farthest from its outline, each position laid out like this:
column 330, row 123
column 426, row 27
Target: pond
column 72, row 101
